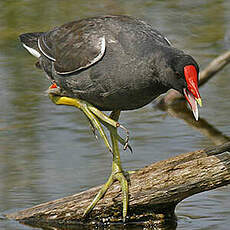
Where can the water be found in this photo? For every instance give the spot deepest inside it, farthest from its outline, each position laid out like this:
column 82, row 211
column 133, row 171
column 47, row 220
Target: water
column 47, row 151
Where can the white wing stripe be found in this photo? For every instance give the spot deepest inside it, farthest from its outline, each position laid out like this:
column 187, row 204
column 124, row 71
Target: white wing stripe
column 168, row 41
column 40, row 48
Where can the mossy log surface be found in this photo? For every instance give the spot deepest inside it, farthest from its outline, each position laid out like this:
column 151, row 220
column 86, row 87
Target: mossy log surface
column 154, row 192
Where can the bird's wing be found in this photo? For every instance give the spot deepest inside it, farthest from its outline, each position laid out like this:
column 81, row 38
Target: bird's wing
column 73, row 46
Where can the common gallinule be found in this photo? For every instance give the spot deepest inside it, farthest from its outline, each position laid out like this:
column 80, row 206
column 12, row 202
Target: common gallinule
column 112, row 63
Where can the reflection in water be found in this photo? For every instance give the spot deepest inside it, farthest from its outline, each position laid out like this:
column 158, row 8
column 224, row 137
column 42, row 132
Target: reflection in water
column 47, row 152
column 180, row 110
column 133, row 226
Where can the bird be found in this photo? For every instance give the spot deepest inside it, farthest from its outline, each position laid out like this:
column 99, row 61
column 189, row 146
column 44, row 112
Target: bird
column 112, row 63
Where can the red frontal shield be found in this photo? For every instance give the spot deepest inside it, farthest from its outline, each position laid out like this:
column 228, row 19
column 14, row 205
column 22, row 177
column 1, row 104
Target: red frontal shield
column 192, row 94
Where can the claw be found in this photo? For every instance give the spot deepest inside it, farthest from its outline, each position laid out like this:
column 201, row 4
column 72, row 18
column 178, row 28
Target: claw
column 93, row 128
column 125, row 144
column 97, row 125
column 108, row 122
column 127, row 136
column 130, row 148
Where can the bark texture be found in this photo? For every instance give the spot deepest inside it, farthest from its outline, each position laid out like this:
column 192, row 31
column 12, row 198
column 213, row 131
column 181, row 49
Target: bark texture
column 154, row 192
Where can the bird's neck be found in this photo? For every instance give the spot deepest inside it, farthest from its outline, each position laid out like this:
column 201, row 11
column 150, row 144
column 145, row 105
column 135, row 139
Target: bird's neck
column 163, row 59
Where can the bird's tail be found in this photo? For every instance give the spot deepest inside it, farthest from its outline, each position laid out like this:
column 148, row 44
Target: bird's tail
column 30, row 42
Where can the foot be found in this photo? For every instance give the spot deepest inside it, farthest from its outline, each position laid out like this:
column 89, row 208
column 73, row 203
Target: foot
column 96, row 117
column 117, row 172
column 125, row 192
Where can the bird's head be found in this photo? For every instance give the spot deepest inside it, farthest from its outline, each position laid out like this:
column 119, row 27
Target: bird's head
column 185, row 80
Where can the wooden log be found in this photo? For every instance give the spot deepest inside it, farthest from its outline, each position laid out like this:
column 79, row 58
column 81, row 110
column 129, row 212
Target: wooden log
column 154, row 193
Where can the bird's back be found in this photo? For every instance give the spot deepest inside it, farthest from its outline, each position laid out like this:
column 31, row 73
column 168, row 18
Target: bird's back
column 107, row 61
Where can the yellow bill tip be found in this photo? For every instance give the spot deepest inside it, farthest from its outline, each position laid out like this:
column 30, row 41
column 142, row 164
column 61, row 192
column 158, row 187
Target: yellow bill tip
column 199, row 101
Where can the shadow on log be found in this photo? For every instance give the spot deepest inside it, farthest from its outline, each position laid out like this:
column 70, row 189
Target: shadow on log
column 154, row 193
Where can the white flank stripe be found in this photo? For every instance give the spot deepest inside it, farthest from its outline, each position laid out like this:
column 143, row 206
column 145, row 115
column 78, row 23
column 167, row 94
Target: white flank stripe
column 32, row 51
column 168, row 41
column 39, row 46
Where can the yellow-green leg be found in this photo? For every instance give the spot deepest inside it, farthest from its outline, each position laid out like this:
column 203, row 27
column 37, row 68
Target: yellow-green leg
column 117, row 170
column 96, row 117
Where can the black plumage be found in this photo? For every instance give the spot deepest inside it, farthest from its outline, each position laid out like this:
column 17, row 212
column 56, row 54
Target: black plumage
column 113, row 62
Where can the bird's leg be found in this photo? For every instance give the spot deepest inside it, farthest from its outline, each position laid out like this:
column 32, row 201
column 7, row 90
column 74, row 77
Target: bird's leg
column 117, row 171
column 96, row 117
column 81, row 105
